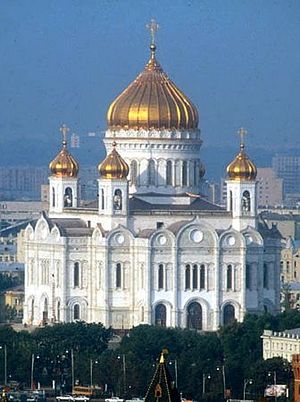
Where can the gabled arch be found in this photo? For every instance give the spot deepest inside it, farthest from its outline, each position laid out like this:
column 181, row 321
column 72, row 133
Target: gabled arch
column 154, row 238
column 42, row 229
column 202, row 226
column 29, row 232
column 252, row 237
column 224, row 239
column 120, row 229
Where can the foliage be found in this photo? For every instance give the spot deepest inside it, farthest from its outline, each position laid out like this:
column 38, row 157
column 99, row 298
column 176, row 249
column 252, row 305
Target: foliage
column 8, row 281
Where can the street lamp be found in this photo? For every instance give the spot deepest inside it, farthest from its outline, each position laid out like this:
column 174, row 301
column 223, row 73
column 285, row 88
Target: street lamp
column 5, row 363
column 222, row 369
column 275, row 381
column 92, row 362
column 176, row 371
column 32, row 369
column 246, row 382
column 123, row 357
column 204, row 378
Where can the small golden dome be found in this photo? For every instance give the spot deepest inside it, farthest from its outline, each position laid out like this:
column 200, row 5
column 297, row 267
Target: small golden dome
column 113, row 166
column 241, row 168
column 64, row 165
column 152, row 101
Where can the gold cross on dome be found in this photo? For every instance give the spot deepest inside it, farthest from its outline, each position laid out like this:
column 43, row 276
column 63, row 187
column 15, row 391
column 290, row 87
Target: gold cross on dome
column 64, row 129
column 153, row 28
column 242, row 132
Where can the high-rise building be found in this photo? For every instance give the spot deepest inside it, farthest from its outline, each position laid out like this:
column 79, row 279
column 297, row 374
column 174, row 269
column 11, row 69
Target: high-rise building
column 270, row 188
column 287, row 167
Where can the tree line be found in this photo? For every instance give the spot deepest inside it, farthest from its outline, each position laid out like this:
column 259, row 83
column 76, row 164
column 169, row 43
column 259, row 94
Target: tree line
column 198, row 362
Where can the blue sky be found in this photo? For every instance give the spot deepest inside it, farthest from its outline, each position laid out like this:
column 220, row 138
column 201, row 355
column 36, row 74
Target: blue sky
column 65, row 61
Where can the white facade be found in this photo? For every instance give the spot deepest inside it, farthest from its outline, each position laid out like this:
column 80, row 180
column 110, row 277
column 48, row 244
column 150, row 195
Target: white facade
column 281, row 344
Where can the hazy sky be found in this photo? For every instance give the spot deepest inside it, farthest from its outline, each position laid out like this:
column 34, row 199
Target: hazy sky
column 65, row 61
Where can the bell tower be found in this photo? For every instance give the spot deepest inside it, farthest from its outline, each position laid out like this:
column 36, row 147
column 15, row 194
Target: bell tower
column 63, row 182
column 241, row 188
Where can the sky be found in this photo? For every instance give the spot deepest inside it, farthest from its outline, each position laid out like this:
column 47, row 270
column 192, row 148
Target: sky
column 65, row 61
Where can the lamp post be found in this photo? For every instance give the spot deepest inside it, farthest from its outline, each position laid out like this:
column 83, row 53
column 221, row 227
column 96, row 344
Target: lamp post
column 222, row 369
column 246, row 382
column 176, row 371
column 123, row 357
column 275, row 382
column 204, row 378
column 5, row 363
column 91, row 370
column 32, row 369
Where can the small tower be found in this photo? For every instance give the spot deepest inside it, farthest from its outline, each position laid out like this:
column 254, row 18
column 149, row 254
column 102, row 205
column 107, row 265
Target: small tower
column 162, row 388
column 241, row 188
column 113, row 185
column 63, row 192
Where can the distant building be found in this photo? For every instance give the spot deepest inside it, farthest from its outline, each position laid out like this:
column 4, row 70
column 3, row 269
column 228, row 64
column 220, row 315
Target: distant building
column 11, row 304
column 287, row 167
column 75, row 141
column 281, row 344
column 270, row 187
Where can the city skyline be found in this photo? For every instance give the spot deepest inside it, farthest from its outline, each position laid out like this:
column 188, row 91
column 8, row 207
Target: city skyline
column 66, row 61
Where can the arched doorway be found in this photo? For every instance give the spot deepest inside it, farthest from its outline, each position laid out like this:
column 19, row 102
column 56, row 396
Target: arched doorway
column 161, row 315
column 228, row 314
column 194, row 316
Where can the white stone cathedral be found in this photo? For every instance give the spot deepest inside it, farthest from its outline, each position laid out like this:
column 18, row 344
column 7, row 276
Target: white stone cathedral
column 152, row 249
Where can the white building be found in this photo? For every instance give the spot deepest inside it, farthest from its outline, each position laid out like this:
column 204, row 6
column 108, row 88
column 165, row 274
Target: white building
column 281, row 344
column 151, row 249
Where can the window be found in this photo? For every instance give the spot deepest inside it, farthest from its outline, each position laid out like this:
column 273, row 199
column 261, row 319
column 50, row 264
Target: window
column 266, row 277
column 287, row 266
column 246, row 201
column 228, row 314
column 194, row 316
column 195, row 276
column 76, row 274
column 53, row 197
column 45, row 310
column 117, row 201
column 160, row 276
column 102, row 199
column 195, row 173
column 169, row 173
column 133, row 172
column 229, row 277
column 161, row 315
column 248, row 277
column 118, row 275
column 184, row 173
column 58, row 311
column 68, row 197
column 187, row 276
column 202, row 276
column 76, row 312
column 230, row 200
column 151, row 173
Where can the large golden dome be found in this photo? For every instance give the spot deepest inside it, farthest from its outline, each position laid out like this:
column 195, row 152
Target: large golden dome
column 241, row 168
column 152, row 101
column 64, row 165
column 113, row 166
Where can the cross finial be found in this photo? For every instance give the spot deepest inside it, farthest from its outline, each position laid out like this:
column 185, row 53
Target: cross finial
column 242, row 132
column 153, row 28
column 64, row 129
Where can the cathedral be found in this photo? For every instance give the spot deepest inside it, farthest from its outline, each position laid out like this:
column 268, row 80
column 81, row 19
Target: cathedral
column 152, row 249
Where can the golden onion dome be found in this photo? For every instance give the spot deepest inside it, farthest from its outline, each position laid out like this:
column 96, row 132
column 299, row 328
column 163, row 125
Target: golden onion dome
column 152, row 101
column 64, row 165
column 242, row 168
column 201, row 170
column 113, row 166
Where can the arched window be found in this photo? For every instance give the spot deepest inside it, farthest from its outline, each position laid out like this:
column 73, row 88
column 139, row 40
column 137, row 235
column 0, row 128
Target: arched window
column 32, row 310
column 118, row 275
column 184, row 173
column 133, row 172
column 161, row 315
column 202, row 276
column 194, row 316
column 229, row 277
column 195, row 276
column 76, row 312
column 68, row 197
column 58, row 311
column 76, row 274
column 266, row 276
column 248, row 276
column 169, row 173
column 230, row 201
column 102, row 198
column 45, row 310
column 53, row 197
column 151, row 173
column 228, row 314
column 187, row 276
column 117, row 200
column 246, row 205
column 287, row 266
column 195, row 173
column 160, row 276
